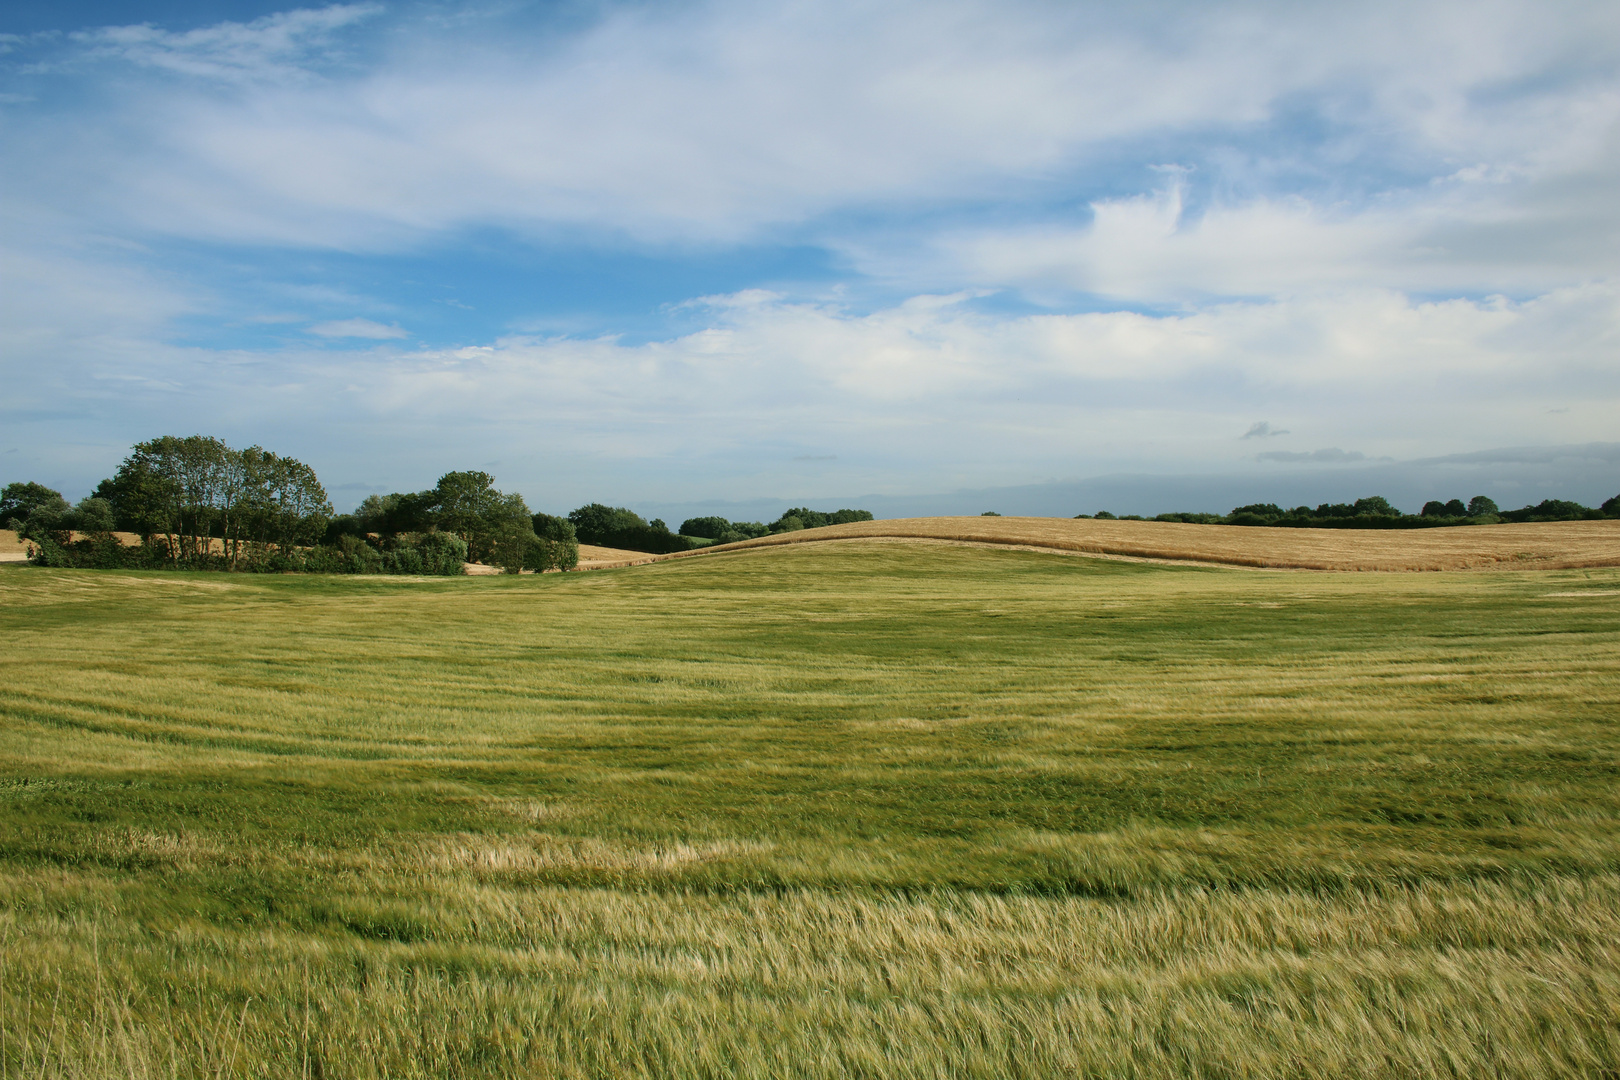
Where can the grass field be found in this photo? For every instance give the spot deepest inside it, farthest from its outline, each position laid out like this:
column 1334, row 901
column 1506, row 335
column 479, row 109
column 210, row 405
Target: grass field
column 859, row 809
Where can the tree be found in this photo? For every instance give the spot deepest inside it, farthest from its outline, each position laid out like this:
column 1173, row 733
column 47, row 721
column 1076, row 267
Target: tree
column 710, row 528
column 1375, row 506
column 558, row 547
column 599, row 524
column 18, row 500
column 92, row 515
column 511, row 533
column 467, row 506
column 722, row 531
column 1479, row 506
column 194, row 490
column 816, row 519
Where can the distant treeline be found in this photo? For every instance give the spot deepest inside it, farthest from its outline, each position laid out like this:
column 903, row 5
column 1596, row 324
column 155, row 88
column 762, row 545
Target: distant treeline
column 1376, row 512
column 617, row 527
column 198, row 504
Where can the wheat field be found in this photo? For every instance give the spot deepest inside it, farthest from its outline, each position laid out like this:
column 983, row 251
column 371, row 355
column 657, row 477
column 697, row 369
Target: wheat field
column 1528, row 546
column 866, row 809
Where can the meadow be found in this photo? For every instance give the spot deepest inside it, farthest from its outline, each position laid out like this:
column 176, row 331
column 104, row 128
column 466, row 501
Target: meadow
column 870, row 809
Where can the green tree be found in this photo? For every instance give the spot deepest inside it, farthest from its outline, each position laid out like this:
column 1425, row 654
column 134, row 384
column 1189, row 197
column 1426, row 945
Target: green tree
column 710, row 528
column 18, row 500
column 559, row 544
column 1479, row 506
column 1375, row 506
column 92, row 515
column 596, row 523
column 467, row 505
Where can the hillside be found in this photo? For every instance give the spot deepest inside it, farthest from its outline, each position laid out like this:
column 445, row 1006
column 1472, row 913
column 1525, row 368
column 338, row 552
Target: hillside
column 1536, row 546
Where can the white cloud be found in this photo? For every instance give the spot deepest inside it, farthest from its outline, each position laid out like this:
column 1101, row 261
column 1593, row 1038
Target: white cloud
column 714, row 122
column 926, row 395
column 278, row 47
column 358, row 328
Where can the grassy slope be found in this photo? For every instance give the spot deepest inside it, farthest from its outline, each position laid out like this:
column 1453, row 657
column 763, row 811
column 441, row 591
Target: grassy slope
column 826, row 810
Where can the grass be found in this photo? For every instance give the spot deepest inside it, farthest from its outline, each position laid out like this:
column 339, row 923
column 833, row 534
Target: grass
column 826, row 810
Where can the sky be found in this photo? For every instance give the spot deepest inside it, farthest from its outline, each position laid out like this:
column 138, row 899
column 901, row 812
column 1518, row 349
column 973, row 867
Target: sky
column 730, row 256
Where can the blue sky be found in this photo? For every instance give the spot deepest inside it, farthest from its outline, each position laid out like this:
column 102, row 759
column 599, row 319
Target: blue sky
column 693, row 254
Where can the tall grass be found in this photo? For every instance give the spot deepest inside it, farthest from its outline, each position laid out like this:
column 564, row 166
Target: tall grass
column 816, row 811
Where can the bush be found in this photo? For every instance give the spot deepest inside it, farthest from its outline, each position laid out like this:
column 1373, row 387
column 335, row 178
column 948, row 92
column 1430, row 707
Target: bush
column 442, row 553
column 102, row 551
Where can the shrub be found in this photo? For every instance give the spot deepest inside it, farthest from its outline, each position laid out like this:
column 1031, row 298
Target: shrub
column 442, row 553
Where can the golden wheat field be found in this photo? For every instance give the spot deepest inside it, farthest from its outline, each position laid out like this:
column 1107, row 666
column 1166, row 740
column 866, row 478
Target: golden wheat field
column 1531, row 546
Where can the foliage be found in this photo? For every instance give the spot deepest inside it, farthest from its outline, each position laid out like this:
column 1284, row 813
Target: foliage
column 710, row 528
column 618, row 527
column 1376, row 512
column 20, row 499
column 195, row 490
column 497, row 527
column 722, row 531
column 426, row 553
column 1554, row 510
column 815, row 519
column 878, row 810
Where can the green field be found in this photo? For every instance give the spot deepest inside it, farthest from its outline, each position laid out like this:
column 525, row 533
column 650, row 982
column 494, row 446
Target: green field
column 873, row 809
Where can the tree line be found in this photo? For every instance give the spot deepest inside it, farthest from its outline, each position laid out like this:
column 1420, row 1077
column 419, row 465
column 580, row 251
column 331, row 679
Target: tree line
column 196, row 503
column 1376, row 512
column 618, row 527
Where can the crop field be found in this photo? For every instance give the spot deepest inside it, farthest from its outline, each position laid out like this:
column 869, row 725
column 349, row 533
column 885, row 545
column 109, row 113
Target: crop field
column 866, row 809
column 1531, row 546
